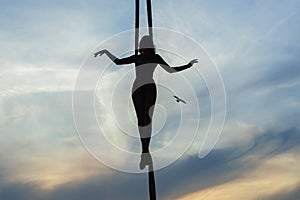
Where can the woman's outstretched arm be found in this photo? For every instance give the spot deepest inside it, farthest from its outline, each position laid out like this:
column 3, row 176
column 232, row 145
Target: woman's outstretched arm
column 117, row 61
column 170, row 69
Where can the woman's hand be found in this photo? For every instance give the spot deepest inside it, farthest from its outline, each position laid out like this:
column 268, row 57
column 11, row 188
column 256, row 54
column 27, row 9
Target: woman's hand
column 100, row 53
column 193, row 61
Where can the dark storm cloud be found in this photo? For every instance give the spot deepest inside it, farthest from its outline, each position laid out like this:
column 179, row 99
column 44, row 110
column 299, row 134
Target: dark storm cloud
column 285, row 195
column 117, row 186
column 184, row 176
column 18, row 191
column 224, row 165
column 277, row 143
column 209, row 171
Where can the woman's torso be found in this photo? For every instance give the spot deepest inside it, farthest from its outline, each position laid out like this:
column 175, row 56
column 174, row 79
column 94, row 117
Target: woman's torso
column 144, row 69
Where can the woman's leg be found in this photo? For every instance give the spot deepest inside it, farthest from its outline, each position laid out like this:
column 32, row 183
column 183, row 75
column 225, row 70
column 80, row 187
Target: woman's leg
column 144, row 101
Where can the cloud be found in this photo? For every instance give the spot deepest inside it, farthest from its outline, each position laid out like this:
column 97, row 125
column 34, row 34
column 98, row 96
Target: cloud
column 128, row 186
column 287, row 194
column 39, row 143
column 255, row 45
column 271, row 159
column 30, row 79
column 20, row 191
column 49, row 33
column 255, row 183
column 220, row 172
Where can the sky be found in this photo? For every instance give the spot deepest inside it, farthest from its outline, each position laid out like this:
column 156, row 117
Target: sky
column 253, row 44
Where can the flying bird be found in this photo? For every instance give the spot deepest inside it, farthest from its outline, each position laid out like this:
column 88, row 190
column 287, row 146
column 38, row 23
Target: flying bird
column 179, row 100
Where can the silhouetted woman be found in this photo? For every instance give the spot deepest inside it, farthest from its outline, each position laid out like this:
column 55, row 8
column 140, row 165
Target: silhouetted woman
column 144, row 88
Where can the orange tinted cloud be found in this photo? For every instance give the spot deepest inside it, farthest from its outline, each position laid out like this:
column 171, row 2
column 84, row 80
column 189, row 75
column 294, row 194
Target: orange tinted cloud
column 273, row 175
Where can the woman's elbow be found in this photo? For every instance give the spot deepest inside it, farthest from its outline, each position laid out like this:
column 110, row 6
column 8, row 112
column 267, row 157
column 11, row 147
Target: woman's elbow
column 117, row 61
column 170, row 70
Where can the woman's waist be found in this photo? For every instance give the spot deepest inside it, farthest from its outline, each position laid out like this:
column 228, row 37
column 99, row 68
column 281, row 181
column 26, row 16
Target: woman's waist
column 140, row 83
column 144, row 80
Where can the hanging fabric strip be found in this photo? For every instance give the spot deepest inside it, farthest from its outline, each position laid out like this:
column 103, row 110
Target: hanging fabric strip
column 137, row 24
column 149, row 12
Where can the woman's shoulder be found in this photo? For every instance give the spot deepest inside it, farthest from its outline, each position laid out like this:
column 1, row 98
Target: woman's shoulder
column 157, row 56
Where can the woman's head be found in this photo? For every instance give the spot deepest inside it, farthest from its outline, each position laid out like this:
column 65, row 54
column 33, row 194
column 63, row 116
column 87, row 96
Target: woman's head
column 146, row 45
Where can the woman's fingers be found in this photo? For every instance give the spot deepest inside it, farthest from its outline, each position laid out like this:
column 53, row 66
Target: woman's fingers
column 194, row 61
column 99, row 53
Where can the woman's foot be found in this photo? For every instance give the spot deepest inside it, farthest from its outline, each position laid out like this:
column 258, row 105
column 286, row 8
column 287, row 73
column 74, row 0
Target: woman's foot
column 145, row 160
